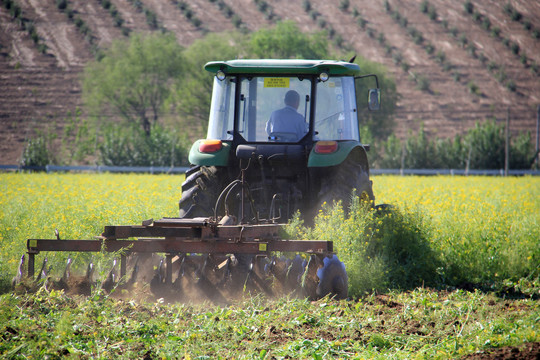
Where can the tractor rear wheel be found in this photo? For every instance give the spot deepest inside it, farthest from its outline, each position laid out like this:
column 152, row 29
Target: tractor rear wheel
column 200, row 191
column 350, row 175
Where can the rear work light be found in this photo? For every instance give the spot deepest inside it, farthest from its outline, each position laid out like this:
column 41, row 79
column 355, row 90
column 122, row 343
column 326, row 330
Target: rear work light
column 326, row 147
column 210, row 146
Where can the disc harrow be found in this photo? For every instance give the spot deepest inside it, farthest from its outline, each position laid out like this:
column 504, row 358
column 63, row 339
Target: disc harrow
column 183, row 259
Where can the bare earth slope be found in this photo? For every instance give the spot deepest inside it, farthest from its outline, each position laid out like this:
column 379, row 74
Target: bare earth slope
column 467, row 73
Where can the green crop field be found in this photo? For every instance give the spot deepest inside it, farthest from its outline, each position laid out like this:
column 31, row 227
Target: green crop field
column 452, row 270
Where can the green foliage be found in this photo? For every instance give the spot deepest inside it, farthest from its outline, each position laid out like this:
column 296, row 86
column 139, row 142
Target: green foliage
column 482, row 147
column 79, row 139
column 469, row 7
column 516, row 15
column 397, row 58
column 397, row 325
column 473, row 88
column 522, row 151
column 184, row 7
column 535, row 69
column 380, row 249
column 339, row 41
column 344, row 5
column 400, row 239
column 37, row 153
column 463, row 40
column 440, row 56
column 405, row 66
column 514, row 47
column 387, row 6
column 422, row 82
column 113, row 11
column 366, row 136
column 370, row 32
column 511, row 85
column 42, row 48
column 486, row 23
column 306, row 5
column 361, row 22
column 137, row 4
column 483, row 58
column 419, row 151
column 286, row 41
column 486, row 146
column 133, row 79
column 191, row 96
column 237, row 21
column 61, row 4
column 424, row 6
column 16, row 12
column 381, row 38
column 450, row 153
column 151, row 19
column 133, row 147
column 392, row 150
column 417, row 36
column 432, row 13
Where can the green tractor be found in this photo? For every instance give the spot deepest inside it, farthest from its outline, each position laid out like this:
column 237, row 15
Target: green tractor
column 283, row 136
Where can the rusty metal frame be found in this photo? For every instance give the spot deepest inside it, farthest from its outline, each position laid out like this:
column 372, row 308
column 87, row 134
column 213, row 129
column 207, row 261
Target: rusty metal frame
column 174, row 236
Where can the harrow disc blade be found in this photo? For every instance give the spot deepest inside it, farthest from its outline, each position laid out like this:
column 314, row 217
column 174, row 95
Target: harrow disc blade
column 20, row 273
column 111, row 280
column 333, row 279
column 43, row 271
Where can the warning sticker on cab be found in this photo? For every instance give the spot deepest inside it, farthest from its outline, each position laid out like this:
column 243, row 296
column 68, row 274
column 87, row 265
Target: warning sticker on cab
column 279, row 82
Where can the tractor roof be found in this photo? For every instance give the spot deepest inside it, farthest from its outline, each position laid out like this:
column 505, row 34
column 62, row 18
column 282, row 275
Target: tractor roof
column 283, row 67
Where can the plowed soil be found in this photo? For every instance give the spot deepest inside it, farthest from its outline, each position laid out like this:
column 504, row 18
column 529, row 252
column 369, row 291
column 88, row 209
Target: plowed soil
column 529, row 351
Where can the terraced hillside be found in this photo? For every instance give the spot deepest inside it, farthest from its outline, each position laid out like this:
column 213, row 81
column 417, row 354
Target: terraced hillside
column 455, row 63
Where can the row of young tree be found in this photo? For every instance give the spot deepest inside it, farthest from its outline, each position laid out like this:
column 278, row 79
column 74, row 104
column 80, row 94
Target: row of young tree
column 482, row 147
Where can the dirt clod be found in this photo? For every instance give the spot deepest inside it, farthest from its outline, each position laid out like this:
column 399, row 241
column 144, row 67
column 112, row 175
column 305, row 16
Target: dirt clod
column 528, row 351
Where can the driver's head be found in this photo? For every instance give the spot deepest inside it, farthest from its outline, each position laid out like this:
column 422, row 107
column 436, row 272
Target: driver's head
column 292, row 98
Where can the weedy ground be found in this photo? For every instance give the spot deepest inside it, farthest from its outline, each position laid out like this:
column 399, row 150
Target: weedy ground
column 418, row 324
column 452, row 271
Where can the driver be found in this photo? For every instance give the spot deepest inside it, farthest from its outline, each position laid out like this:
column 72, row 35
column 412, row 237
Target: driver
column 287, row 120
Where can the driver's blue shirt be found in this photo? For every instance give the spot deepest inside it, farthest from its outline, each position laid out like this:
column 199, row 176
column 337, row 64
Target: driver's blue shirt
column 286, row 120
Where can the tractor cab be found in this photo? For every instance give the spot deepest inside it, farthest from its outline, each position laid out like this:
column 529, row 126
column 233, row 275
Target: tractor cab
column 284, row 101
